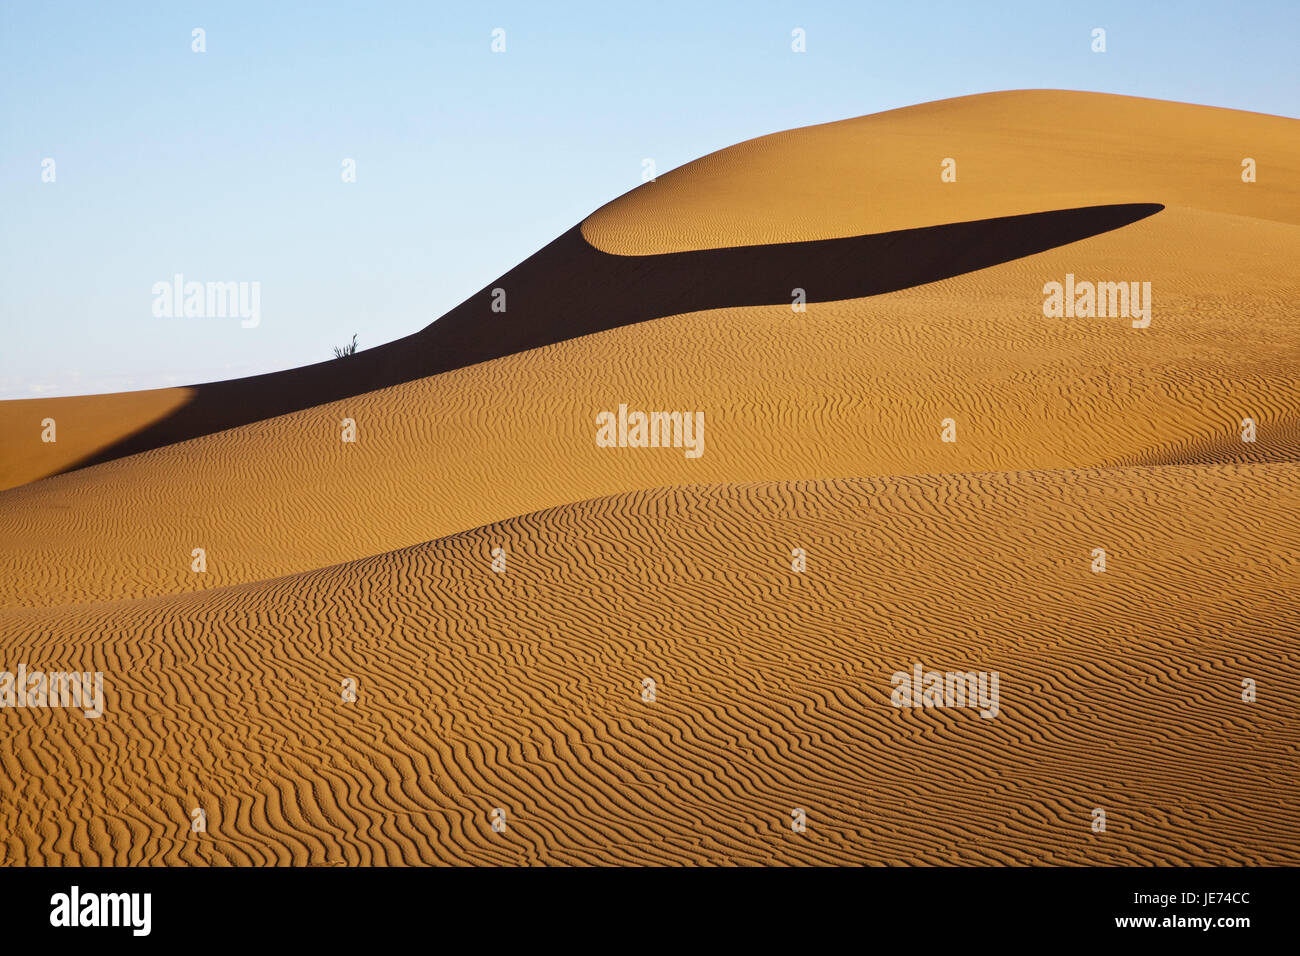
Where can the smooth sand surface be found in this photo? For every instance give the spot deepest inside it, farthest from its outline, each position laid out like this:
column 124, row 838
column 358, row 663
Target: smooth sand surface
column 82, row 426
column 1016, row 152
column 521, row 690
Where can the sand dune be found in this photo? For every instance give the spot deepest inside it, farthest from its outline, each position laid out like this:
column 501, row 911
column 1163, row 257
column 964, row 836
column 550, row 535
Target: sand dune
column 852, row 388
column 83, row 426
column 477, row 690
column 1019, row 151
column 542, row 310
column 522, row 690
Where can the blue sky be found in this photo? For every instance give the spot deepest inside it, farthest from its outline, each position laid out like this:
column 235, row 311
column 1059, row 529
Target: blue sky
column 225, row 165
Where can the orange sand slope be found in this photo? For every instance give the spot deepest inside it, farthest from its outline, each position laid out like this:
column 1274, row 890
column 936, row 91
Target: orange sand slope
column 1016, row 152
column 477, row 690
column 853, row 388
column 83, row 425
column 523, row 690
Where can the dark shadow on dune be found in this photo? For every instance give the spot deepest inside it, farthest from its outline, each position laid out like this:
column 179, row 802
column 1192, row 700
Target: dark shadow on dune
column 570, row 288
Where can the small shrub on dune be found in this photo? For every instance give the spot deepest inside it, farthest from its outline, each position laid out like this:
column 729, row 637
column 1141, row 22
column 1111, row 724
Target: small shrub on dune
column 345, row 350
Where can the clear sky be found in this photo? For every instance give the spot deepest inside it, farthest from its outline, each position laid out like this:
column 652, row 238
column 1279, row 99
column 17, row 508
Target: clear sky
column 226, row 164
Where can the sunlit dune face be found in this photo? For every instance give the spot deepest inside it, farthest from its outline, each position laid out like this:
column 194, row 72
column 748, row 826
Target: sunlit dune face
column 43, row 437
column 1010, row 153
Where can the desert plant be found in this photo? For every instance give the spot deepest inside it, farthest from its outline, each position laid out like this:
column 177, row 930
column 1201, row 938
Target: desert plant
column 350, row 349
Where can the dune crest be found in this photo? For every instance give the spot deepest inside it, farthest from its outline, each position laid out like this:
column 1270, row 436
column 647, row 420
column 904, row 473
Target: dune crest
column 1018, row 151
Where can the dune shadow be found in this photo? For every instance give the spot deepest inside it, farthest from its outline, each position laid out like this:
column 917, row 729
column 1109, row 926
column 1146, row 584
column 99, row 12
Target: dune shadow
column 569, row 288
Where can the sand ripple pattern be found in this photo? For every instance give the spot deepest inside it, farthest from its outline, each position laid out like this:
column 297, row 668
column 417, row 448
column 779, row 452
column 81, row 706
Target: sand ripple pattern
column 855, row 388
column 521, row 690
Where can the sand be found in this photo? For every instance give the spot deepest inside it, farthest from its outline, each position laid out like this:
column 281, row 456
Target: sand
column 1016, row 152
column 521, row 690
column 81, row 426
